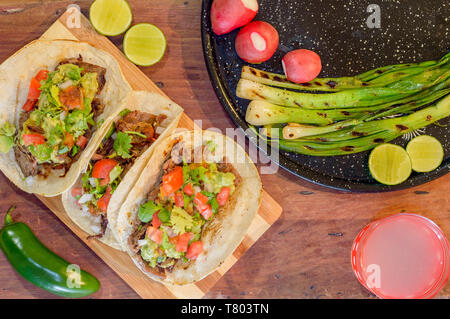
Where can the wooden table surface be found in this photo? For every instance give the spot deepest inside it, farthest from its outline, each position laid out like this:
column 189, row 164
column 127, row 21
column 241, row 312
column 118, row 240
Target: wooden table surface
column 305, row 254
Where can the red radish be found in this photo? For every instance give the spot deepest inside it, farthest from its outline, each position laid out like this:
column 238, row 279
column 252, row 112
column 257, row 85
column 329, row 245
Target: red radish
column 301, row 66
column 227, row 15
column 256, row 42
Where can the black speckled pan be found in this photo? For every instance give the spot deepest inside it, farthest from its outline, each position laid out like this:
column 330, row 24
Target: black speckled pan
column 411, row 31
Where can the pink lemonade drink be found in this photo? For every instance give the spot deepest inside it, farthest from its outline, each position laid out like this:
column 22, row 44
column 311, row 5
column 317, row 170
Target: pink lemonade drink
column 401, row 256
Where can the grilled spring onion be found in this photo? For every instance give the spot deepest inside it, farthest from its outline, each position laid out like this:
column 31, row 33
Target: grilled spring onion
column 351, row 98
column 295, row 131
column 263, row 113
column 367, row 135
column 351, row 117
column 373, row 78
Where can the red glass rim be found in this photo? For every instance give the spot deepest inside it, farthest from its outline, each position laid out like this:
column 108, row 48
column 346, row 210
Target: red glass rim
column 436, row 230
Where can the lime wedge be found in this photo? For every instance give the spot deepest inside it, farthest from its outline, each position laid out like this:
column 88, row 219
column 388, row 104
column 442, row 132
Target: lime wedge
column 110, row 17
column 144, row 44
column 426, row 153
column 389, row 164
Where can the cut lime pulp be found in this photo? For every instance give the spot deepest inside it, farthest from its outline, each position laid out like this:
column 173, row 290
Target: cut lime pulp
column 426, row 153
column 389, row 164
column 144, row 44
column 110, row 17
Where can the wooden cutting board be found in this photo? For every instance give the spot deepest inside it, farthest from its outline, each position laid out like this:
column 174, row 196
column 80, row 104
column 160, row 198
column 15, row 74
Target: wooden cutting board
column 119, row 261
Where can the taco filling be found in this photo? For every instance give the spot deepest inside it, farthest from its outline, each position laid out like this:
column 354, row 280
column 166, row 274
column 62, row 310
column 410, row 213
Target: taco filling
column 59, row 117
column 170, row 223
column 127, row 139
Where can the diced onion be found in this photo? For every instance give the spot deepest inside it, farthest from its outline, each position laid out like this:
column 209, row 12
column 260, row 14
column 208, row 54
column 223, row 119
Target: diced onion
column 65, row 85
column 92, row 181
column 85, row 210
column 62, row 116
column 114, row 135
column 29, row 180
column 85, row 198
column 170, row 232
column 197, row 189
column 142, row 242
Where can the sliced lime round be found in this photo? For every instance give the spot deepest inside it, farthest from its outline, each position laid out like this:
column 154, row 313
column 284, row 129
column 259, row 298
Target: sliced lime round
column 426, row 153
column 110, row 17
column 144, row 44
column 389, row 164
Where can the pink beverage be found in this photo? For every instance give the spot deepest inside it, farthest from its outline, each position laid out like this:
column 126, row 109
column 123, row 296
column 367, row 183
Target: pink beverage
column 402, row 256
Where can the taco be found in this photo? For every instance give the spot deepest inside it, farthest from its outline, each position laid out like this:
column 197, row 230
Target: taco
column 57, row 94
column 93, row 201
column 187, row 214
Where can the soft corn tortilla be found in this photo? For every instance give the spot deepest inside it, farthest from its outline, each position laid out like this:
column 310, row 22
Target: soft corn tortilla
column 138, row 100
column 15, row 76
column 223, row 234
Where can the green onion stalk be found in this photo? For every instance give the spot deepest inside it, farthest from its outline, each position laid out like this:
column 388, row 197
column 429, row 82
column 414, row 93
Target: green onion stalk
column 366, row 135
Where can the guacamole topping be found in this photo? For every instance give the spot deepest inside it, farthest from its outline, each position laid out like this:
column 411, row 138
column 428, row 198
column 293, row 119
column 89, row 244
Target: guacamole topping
column 7, row 132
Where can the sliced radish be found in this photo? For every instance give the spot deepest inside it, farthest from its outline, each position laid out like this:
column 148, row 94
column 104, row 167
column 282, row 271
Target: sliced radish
column 227, row 15
column 256, row 42
column 301, row 66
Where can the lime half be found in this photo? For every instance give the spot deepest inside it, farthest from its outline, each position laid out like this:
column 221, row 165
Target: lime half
column 110, row 17
column 144, row 44
column 426, row 153
column 389, row 164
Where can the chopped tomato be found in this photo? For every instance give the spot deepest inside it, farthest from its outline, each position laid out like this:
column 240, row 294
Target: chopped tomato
column 183, row 241
column 68, row 140
column 173, row 180
column 34, row 92
column 103, row 202
column 76, row 191
column 102, row 169
column 205, row 210
column 29, row 104
column 179, row 200
column 33, row 139
column 200, row 199
column 81, row 141
column 223, row 195
column 195, row 249
column 155, row 220
column 154, row 234
column 71, row 97
column 188, row 189
column 42, row 75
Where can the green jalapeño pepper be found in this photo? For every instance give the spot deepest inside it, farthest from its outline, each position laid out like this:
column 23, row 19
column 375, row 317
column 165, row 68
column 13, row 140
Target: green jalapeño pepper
column 40, row 266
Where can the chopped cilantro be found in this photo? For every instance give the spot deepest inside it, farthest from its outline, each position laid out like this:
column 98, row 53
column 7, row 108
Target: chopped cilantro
column 122, row 145
column 136, row 133
column 147, row 210
column 164, row 215
column 124, row 112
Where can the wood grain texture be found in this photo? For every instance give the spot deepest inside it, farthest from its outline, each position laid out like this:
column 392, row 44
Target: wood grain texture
column 120, row 262
column 305, row 254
